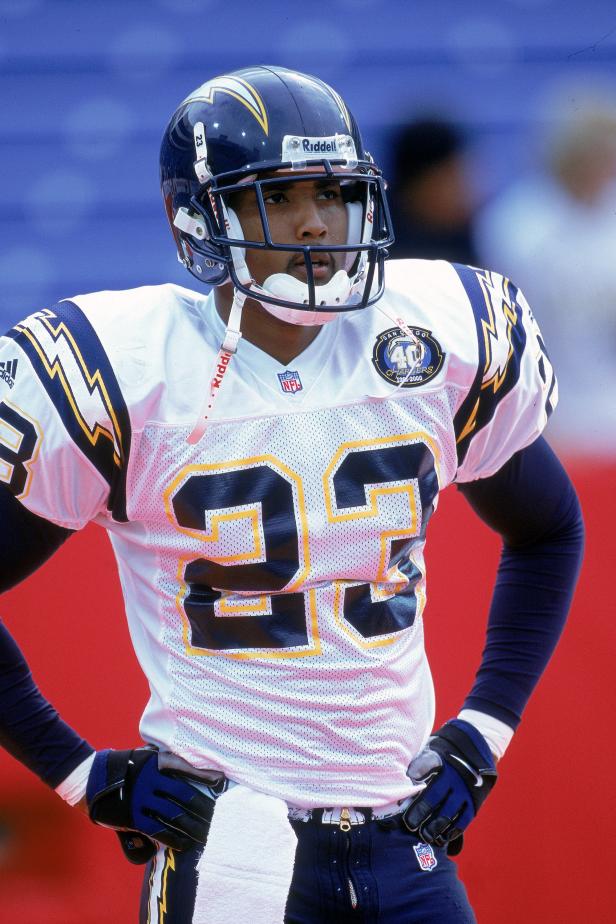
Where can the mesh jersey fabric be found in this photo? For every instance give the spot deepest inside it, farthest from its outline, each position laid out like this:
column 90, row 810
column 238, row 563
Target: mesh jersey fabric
column 273, row 573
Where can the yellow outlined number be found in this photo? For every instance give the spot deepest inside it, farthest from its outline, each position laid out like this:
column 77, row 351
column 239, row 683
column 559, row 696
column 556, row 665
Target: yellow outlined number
column 254, row 497
column 361, row 472
column 18, row 445
column 249, row 603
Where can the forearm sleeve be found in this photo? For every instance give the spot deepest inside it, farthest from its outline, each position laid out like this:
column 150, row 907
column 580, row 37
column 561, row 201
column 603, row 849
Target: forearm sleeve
column 30, row 728
column 26, row 541
column 533, row 505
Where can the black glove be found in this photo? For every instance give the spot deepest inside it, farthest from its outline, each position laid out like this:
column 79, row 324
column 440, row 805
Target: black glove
column 459, row 772
column 127, row 791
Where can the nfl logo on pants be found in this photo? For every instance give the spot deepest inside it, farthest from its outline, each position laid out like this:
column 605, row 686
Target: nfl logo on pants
column 425, row 856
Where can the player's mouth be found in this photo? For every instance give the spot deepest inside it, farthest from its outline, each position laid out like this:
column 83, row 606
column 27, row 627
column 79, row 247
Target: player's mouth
column 322, row 267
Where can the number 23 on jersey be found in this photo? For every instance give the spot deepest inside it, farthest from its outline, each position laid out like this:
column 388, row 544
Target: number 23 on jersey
column 251, row 591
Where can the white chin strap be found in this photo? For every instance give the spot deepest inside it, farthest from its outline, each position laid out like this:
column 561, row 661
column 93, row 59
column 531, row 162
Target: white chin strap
column 337, row 291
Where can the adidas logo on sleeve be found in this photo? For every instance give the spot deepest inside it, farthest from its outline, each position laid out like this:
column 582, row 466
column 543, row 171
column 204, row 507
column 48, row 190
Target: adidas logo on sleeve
column 8, row 371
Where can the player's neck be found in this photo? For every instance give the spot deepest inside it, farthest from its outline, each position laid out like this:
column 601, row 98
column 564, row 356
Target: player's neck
column 278, row 339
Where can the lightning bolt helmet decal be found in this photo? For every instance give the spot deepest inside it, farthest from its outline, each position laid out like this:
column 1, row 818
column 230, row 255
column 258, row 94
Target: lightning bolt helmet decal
column 237, row 88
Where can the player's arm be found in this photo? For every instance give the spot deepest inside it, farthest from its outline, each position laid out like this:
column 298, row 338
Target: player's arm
column 532, row 504
column 64, row 449
column 30, row 728
column 121, row 789
column 26, row 542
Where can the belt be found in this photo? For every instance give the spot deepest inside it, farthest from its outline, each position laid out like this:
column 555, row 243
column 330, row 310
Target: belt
column 345, row 817
column 214, row 784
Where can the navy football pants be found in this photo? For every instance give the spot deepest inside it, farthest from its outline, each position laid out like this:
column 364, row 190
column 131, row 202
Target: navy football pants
column 371, row 874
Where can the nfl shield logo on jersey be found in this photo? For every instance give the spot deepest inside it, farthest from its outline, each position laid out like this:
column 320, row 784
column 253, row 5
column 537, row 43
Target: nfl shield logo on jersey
column 425, row 856
column 290, row 381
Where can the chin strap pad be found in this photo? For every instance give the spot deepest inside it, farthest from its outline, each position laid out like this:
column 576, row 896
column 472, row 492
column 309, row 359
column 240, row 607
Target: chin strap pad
column 238, row 253
column 286, row 287
column 355, row 232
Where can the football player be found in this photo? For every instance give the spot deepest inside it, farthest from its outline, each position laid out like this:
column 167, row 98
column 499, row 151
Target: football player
column 266, row 459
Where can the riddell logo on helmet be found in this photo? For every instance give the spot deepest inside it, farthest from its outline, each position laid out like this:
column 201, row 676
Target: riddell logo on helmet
column 319, row 147
column 303, row 148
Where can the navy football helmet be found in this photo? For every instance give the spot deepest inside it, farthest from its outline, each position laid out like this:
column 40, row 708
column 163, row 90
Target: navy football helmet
column 232, row 134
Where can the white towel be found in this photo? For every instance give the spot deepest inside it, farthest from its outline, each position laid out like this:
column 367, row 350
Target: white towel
column 245, row 871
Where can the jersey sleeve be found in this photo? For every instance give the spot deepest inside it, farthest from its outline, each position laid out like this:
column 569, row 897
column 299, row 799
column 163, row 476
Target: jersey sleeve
column 64, row 425
column 514, row 390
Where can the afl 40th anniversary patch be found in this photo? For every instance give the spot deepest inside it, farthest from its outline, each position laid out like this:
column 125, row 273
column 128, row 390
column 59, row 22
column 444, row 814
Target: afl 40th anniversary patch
column 406, row 360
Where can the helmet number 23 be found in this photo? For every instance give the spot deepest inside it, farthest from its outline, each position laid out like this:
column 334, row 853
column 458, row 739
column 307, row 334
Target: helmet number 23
column 254, row 593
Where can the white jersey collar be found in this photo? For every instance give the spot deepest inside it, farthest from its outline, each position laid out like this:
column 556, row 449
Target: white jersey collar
column 292, row 381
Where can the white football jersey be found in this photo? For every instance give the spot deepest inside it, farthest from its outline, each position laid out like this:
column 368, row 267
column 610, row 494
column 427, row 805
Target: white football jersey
column 273, row 572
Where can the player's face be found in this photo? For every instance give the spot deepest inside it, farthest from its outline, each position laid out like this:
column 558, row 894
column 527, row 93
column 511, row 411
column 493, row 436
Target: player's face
column 307, row 212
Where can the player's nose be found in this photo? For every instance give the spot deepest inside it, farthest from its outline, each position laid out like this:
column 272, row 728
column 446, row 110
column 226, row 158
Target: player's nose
column 309, row 220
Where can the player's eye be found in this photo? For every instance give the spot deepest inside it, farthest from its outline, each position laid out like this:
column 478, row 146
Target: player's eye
column 330, row 193
column 275, row 197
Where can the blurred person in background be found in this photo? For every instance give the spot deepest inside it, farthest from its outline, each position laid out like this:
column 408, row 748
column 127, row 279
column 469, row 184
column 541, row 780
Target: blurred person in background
column 431, row 198
column 554, row 232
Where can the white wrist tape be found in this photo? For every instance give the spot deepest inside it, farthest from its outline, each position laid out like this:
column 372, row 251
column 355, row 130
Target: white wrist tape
column 497, row 734
column 73, row 788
